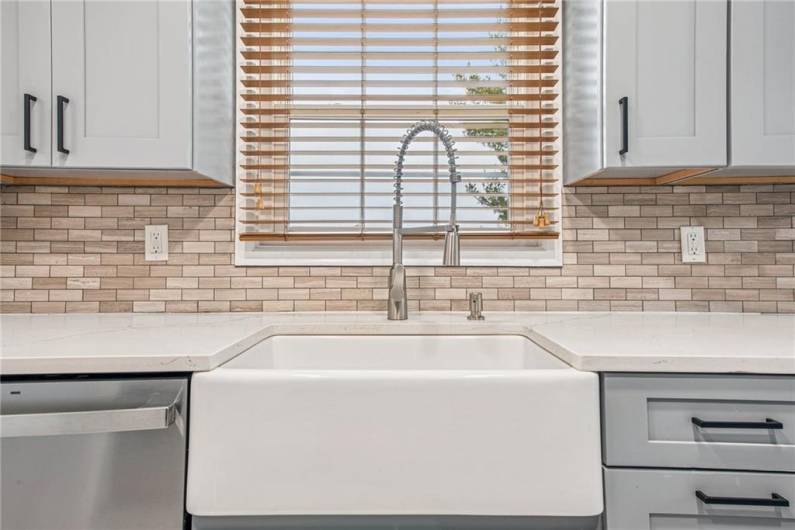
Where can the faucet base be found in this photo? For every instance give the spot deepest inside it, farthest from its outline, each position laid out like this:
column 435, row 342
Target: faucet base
column 397, row 305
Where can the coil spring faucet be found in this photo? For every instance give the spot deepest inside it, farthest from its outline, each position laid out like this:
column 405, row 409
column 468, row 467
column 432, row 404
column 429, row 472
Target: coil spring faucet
column 396, row 308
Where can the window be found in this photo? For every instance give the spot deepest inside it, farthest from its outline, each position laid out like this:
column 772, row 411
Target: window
column 327, row 89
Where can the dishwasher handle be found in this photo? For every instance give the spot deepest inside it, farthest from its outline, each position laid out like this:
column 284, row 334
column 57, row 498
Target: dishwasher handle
column 87, row 422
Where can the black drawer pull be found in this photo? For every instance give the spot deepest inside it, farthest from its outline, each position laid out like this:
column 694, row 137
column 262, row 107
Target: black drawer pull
column 29, row 99
column 60, row 124
column 767, row 424
column 624, row 104
column 774, row 500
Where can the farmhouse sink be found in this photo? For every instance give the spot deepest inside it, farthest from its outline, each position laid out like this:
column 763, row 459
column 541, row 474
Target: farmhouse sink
column 400, row 425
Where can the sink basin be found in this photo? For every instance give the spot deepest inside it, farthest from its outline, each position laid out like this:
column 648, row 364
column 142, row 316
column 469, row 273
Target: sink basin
column 486, row 425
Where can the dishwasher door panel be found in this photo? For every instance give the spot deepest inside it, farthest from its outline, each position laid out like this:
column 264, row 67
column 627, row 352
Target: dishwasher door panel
column 116, row 469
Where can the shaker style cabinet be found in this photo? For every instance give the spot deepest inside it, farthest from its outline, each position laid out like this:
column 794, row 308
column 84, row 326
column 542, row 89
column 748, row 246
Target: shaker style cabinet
column 25, row 83
column 645, row 87
column 762, row 86
column 698, row 451
column 122, row 88
column 121, row 78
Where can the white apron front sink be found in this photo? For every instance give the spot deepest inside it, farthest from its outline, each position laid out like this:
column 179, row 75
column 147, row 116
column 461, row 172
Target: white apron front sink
column 395, row 425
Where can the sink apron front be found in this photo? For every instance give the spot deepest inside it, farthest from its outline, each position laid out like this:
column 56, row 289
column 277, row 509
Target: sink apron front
column 394, row 442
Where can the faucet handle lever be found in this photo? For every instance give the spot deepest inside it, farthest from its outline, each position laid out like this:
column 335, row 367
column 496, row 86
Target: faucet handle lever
column 476, row 307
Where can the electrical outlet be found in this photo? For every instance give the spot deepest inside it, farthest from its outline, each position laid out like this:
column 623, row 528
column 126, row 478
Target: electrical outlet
column 693, row 246
column 156, row 243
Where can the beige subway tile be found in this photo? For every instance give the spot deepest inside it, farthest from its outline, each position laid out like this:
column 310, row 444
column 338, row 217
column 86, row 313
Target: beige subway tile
column 505, row 294
column 779, row 295
column 214, row 283
column 82, row 307
column 115, row 307
column 372, row 305
column 435, row 305
column 554, row 281
column 357, row 294
column 434, row 282
column 19, row 283
column 546, row 294
column 691, row 282
column 325, row 271
column 132, row 295
column 609, row 270
column 466, row 282
column 450, row 271
column 311, row 305
column 626, row 305
column 760, row 307
column 31, row 295
column 534, row 281
column 292, row 271
column 336, row 282
column 594, row 234
column 593, row 282
column 742, row 294
column 253, row 306
column 341, row 305
column 99, row 295
column 661, row 305
column 181, row 307
column 675, row 294
column 182, row 283
column 500, row 281
column 582, row 305
column 149, row 283
column 165, row 294
column 521, row 305
column 766, row 282
column 197, row 294
column 577, row 294
column 214, row 306
column 482, row 271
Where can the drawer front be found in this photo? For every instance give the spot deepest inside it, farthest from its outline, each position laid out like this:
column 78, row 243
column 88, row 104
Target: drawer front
column 749, row 421
column 637, row 499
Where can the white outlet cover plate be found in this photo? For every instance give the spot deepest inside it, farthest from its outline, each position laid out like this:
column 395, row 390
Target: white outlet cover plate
column 693, row 245
column 156, row 245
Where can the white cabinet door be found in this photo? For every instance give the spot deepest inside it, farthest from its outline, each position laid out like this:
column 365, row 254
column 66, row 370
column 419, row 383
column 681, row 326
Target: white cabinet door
column 25, row 34
column 668, row 58
column 763, row 83
column 125, row 68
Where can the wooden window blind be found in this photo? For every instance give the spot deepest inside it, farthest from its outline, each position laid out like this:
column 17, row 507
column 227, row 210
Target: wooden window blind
column 329, row 87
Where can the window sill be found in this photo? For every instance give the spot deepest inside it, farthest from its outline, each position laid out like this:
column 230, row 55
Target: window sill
column 482, row 253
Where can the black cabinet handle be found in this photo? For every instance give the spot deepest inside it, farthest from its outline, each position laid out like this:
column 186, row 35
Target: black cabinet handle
column 29, row 100
column 624, row 103
column 61, row 102
column 767, row 424
column 774, row 500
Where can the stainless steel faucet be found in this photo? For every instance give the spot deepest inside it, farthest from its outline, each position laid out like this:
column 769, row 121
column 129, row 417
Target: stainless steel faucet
column 397, row 304
column 476, row 307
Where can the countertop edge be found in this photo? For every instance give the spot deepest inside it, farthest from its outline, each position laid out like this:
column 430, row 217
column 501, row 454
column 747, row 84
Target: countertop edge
column 599, row 363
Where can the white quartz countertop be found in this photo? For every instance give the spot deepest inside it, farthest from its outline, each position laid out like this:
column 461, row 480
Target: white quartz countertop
column 608, row 342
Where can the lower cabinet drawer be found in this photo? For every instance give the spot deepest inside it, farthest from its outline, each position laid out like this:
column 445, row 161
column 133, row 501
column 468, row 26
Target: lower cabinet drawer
column 656, row 499
column 736, row 422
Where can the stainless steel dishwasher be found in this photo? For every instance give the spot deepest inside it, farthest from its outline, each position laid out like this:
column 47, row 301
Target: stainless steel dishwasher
column 93, row 453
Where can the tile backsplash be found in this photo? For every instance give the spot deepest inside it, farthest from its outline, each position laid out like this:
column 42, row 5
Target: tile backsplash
column 80, row 249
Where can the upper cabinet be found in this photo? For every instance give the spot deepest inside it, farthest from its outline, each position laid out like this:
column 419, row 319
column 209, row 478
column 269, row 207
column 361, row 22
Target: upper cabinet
column 665, row 86
column 645, row 87
column 646, row 91
column 762, row 86
column 125, row 70
column 25, row 101
column 123, row 88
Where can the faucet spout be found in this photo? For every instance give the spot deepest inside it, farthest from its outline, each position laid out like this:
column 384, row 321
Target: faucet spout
column 396, row 308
